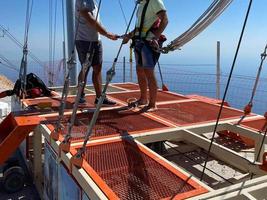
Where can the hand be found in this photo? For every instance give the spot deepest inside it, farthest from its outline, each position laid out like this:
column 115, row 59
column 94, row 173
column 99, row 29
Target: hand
column 154, row 44
column 112, row 36
column 125, row 39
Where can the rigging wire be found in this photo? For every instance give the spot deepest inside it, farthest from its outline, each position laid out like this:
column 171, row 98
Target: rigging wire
column 54, row 44
column 28, row 21
column 63, row 19
column 64, row 36
column 24, row 60
column 20, row 45
column 248, row 107
column 227, row 85
column 123, row 13
column 8, row 64
column 50, row 18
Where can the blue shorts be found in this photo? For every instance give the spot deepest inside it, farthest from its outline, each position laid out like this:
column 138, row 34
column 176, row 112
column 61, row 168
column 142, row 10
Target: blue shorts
column 145, row 56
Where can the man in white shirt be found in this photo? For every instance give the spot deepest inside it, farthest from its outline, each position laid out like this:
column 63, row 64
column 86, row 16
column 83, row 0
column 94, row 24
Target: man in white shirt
column 88, row 39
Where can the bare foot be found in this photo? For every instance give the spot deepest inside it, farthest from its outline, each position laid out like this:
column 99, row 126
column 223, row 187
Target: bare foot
column 133, row 102
column 148, row 108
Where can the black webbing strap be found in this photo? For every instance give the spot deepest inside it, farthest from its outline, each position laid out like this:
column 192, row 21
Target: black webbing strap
column 143, row 19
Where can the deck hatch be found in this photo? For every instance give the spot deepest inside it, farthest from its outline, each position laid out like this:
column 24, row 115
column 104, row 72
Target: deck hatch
column 132, row 172
column 187, row 113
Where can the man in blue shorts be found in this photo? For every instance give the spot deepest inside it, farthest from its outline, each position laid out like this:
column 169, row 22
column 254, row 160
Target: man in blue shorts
column 88, row 39
column 151, row 22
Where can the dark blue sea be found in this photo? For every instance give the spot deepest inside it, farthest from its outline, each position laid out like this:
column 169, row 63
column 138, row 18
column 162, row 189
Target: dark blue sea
column 182, row 78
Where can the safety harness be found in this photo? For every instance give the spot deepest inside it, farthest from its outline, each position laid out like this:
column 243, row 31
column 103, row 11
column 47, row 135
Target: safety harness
column 153, row 27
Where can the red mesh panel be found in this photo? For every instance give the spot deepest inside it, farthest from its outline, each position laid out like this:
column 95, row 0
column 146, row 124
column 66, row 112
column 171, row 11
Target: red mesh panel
column 256, row 124
column 206, row 99
column 193, row 112
column 132, row 174
column 162, row 96
column 56, row 102
column 113, row 122
column 128, row 86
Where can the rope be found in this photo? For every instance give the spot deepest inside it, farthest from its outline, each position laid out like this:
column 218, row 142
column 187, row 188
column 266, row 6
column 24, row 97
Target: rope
column 24, row 60
column 50, row 17
column 28, row 20
column 123, row 13
column 227, row 86
column 8, row 63
column 64, row 36
column 248, row 107
column 54, row 44
column 216, row 8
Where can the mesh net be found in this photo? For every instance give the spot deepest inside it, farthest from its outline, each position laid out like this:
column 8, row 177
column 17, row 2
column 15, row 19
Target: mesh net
column 128, row 86
column 33, row 103
column 161, row 97
column 132, row 174
column 111, row 123
column 193, row 112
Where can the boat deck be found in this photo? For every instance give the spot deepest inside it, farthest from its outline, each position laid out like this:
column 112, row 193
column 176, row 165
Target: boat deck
column 118, row 164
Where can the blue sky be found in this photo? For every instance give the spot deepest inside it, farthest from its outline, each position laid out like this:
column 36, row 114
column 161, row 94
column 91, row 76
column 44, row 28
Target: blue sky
column 182, row 13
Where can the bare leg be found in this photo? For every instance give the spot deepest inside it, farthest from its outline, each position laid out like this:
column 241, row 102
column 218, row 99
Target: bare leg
column 83, row 77
column 97, row 79
column 152, row 85
column 142, row 81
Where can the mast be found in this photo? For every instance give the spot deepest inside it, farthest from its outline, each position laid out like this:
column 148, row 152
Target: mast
column 72, row 65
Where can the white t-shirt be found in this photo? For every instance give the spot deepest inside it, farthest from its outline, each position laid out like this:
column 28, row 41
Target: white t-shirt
column 153, row 8
column 85, row 31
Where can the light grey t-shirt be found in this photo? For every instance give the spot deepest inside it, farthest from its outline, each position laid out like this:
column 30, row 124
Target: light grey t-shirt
column 85, row 31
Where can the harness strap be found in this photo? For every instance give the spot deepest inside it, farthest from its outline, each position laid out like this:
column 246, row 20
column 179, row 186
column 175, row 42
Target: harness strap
column 143, row 19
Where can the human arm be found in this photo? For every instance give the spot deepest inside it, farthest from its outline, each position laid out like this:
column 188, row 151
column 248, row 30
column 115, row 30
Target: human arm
column 128, row 36
column 94, row 23
column 162, row 15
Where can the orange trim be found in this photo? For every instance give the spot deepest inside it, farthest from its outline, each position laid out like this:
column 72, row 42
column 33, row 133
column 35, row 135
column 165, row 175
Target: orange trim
column 159, row 120
column 78, row 162
column 14, row 130
column 198, row 188
column 92, row 173
column 65, row 146
column 251, row 120
column 169, row 167
column 54, row 135
column 95, row 144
